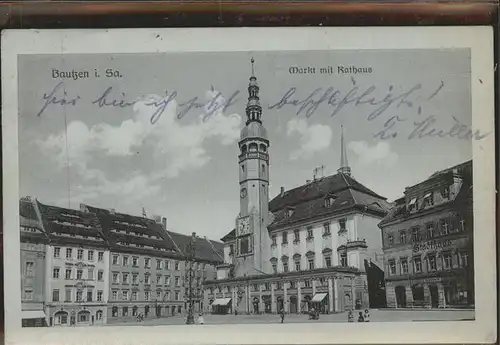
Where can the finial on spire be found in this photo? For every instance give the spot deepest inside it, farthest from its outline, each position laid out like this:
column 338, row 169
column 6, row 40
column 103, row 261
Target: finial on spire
column 253, row 109
column 344, row 165
column 253, row 69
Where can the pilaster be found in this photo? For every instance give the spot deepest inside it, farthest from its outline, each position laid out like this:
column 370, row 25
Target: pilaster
column 330, row 295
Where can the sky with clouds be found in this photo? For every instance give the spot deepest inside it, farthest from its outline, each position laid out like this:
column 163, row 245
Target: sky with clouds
column 184, row 166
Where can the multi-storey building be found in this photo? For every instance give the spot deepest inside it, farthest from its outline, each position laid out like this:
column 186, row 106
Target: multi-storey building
column 310, row 246
column 428, row 242
column 77, row 261
column 93, row 266
column 33, row 245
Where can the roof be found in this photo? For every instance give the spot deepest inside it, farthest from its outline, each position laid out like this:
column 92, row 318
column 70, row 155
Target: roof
column 400, row 210
column 31, row 227
column 206, row 250
column 64, row 225
column 308, row 201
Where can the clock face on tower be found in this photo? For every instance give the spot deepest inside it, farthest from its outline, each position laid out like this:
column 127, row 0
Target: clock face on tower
column 243, row 193
column 243, row 226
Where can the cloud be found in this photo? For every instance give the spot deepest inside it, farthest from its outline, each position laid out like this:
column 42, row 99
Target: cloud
column 379, row 153
column 313, row 138
column 172, row 147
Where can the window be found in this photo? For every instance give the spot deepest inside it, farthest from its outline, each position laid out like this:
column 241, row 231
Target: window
column 90, row 274
column 125, row 261
column 296, row 236
column 428, row 200
column 79, row 274
column 177, row 266
column 125, row 311
column 292, row 285
column 307, row 283
column 463, row 259
column 114, row 311
column 328, row 261
column 177, row 296
column 134, row 278
column 167, row 280
column 69, row 253
column 279, row 286
column 326, row 229
column 430, row 230
column 255, row 287
column 146, row 295
column 98, row 315
column 135, row 261
column 285, row 267
column 134, row 295
column 310, row 233
column 134, row 310
column 90, row 296
column 29, row 269
column 444, row 227
column 284, row 238
column 100, row 256
column 445, row 193
column 114, row 295
column 28, row 295
column 55, row 295
column 244, row 245
column 392, row 267
column 115, row 277
column 267, row 287
column 167, row 295
column 417, row 264
column 115, row 259
column 158, row 280
column 147, row 279
column 275, row 268
column 391, row 240
column 273, row 238
column 147, row 263
column 166, row 265
column 55, row 273
column 79, row 254
column 177, row 281
column 67, row 295
column 231, row 249
column 158, row 264
column 415, row 234
column 297, row 265
column 404, row 265
column 310, row 262
column 412, row 204
column 329, row 201
column 342, row 224
column 90, row 255
column 125, row 295
column 57, row 252
column 431, row 261
column 100, row 275
column 99, row 295
column 402, row 236
column 343, row 259
column 79, row 296
column 447, row 261
column 158, row 295
column 125, row 278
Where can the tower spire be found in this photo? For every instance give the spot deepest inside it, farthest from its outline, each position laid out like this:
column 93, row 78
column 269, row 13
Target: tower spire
column 253, row 109
column 344, row 165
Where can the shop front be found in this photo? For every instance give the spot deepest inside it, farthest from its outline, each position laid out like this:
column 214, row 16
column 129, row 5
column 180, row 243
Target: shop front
column 320, row 302
column 221, row 306
column 33, row 318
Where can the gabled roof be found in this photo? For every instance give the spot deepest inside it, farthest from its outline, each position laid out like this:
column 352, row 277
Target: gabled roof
column 206, row 250
column 64, row 225
column 31, row 227
column 308, row 201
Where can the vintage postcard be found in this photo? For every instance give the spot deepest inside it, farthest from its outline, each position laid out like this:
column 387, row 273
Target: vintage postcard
column 279, row 185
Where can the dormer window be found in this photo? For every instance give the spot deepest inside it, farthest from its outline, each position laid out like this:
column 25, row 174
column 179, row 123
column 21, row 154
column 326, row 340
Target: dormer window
column 445, row 193
column 428, row 199
column 288, row 212
column 329, row 200
column 412, row 204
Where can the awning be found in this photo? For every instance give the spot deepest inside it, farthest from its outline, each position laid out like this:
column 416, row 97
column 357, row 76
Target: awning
column 221, row 301
column 428, row 195
column 412, row 201
column 33, row 314
column 319, row 297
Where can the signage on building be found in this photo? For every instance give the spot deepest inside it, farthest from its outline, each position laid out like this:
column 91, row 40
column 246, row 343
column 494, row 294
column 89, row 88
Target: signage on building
column 430, row 245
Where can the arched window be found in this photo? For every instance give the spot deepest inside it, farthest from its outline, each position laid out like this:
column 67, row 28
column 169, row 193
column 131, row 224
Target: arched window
column 252, row 147
column 61, row 318
column 146, row 310
column 263, row 148
column 134, row 310
column 114, row 311
column 83, row 316
column 98, row 315
column 263, row 168
column 243, row 149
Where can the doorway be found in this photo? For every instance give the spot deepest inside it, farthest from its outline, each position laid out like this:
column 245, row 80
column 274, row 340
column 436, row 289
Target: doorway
column 293, row 305
column 434, row 296
column 400, row 296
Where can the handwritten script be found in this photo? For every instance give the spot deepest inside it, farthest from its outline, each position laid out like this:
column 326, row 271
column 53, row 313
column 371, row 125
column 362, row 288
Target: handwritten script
column 375, row 100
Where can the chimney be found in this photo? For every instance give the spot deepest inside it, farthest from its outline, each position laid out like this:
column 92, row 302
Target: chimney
column 112, row 211
column 282, row 193
column 83, row 207
column 308, row 181
column 164, row 222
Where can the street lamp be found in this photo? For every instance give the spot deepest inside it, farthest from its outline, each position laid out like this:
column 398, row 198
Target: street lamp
column 190, row 257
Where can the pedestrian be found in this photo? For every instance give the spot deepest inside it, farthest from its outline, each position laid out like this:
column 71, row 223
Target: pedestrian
column 367, row 315
column 201, row 320
column 350, row 316
column 282, row 313
column 361, row 318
